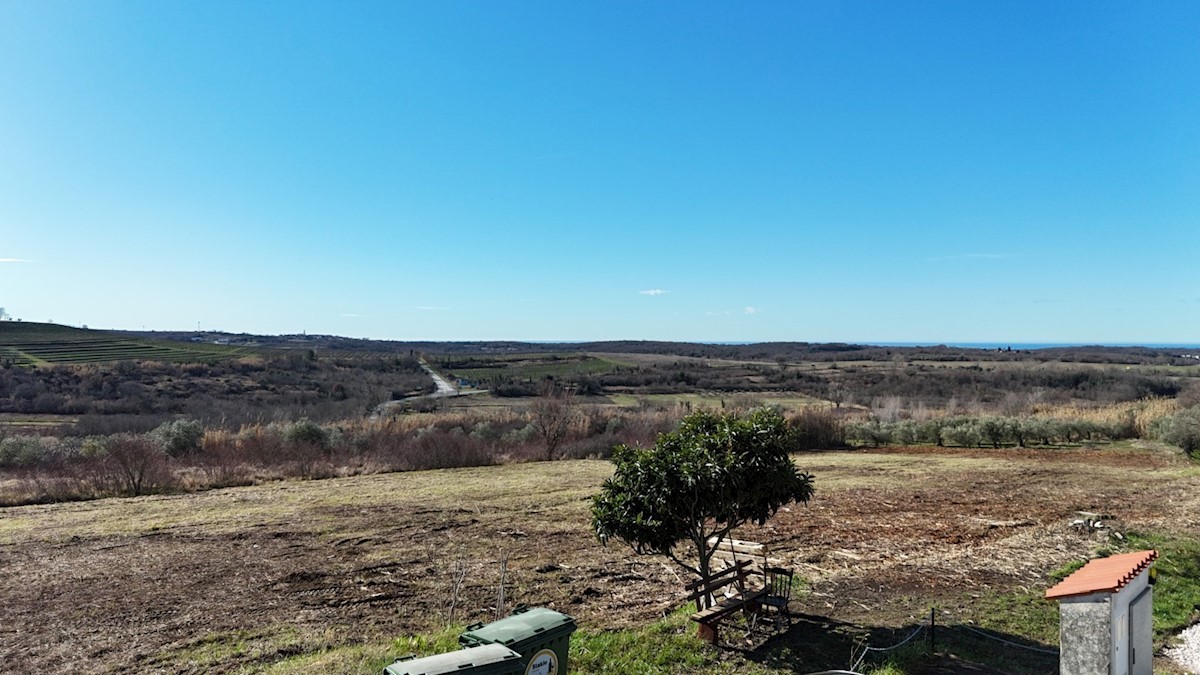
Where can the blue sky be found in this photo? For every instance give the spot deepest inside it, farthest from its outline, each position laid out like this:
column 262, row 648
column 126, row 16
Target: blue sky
column 852, row 171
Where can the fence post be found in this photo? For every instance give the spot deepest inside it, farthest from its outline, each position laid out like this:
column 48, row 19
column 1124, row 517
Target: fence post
column 932, row 630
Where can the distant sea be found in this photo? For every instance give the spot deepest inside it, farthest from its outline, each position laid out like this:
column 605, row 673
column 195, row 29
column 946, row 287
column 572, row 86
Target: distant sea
column 1040, row 345
column 1005, row 345
column 963, row 345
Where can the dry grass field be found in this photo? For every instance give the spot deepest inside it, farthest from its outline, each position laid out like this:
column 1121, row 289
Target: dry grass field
column 324, row 576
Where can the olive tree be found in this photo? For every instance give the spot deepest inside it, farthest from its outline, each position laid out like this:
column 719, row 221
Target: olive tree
column 1183, row 429
column 179, row 437
column 698, row 483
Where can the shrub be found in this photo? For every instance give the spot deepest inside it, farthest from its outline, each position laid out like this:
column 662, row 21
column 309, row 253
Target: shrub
column 962, row 431
column 136, row 465
column 179, row 437
column 521, row 436
column 992, row 430
column 596, row 447
column 21, row 451
column 872, row 433
column 1181, row 429
column 907, row 432
column 484, row 431
column 307, row 432
column 443, row 450
column 817, row 428
column 930, row 431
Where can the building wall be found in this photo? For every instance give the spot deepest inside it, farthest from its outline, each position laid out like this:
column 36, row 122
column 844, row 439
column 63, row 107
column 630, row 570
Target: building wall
column 1085, row 634
column 1121, row 622
column 1095, row 632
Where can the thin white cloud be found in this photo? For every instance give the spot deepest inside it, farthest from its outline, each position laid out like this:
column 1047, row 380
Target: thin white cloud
column 973, row 256
column 751, row 310
column 653, row 291
column 14, row 260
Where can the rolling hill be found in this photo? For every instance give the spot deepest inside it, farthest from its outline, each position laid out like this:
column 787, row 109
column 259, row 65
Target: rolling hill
column 31, row 344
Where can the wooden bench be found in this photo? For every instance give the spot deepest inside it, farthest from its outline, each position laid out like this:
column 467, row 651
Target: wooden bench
column 719, row 595
column 764, row 572
column 731, row 551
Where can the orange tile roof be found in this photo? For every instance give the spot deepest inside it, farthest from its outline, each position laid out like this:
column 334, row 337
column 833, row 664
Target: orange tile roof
column 1103, row 574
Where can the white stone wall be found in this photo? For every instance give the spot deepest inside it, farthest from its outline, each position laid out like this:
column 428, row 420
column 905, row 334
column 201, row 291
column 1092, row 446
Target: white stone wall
column 1085, row 636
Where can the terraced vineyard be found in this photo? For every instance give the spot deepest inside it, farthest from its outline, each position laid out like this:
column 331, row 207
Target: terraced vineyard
column 31, row 344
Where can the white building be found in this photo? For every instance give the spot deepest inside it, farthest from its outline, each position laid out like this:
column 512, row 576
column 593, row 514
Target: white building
column 1106, row 617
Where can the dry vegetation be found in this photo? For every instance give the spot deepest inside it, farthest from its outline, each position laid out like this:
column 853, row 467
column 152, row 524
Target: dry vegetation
column 233, row 564
column 324, row 575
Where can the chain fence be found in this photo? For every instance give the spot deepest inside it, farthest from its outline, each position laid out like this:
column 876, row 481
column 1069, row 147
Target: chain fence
column 857, row 657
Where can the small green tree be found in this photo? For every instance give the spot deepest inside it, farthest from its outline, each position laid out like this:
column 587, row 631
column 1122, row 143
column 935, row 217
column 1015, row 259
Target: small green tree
column 307, row 432
column 1183, row 429
column 711, row 475
column 179, row 437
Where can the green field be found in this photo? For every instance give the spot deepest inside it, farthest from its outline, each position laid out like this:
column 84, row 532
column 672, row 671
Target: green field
column 525, row 366
column 33, row 344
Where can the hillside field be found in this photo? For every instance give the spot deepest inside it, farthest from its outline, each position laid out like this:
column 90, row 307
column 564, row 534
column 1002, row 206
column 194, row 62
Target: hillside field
column 32, row 344
column 341, row 575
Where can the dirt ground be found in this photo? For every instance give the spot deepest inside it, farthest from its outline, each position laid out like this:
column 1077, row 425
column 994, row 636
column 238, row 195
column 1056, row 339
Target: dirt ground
column 236, row 579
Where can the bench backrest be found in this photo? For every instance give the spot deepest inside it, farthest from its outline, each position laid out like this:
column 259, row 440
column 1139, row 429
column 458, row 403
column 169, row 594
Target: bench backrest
column 703, row 591
column 731, row 551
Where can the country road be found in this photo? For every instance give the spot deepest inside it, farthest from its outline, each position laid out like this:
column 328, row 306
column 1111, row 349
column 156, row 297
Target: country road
column 444, row 390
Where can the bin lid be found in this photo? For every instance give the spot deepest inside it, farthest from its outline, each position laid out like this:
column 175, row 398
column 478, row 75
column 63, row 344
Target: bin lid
column 522, row 625
column 481, row 659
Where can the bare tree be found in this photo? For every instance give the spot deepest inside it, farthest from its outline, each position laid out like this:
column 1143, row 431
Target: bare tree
column 137, row 463
column 888, row 408
column 551, row 414
column 458, row 575
column 838, row 393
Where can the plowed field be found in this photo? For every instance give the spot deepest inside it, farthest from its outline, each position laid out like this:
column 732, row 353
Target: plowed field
column 242, row 578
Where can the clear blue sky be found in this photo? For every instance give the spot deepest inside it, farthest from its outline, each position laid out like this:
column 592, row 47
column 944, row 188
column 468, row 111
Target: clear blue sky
column 887, row 171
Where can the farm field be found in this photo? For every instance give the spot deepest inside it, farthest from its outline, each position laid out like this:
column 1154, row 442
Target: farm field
column 786, row 402
column 525, row 366
column 335, row 575
column 29, row 344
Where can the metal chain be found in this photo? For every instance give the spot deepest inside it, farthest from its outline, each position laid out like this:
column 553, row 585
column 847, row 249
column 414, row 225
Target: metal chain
column 868, row 648
column 1054, row 652
column 898, row 644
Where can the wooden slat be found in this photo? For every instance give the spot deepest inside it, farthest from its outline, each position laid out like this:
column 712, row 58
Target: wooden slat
column 719, row 578
column 727, row 606
column 740, row 546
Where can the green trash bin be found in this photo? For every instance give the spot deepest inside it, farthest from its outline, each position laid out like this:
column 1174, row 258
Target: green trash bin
column 542, row 637
column 485, row 659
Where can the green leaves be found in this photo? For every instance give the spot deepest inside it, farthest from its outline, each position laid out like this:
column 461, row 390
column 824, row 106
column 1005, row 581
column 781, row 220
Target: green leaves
column 714, row 473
